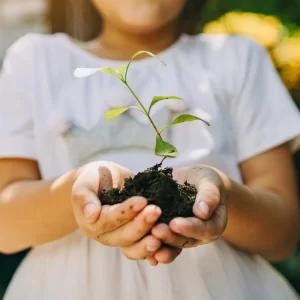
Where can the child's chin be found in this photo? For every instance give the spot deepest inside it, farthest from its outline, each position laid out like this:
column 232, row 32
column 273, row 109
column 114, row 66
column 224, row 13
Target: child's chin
column 143, row 26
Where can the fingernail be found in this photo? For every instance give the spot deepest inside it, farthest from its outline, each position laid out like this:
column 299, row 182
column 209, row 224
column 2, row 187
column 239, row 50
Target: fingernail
column 138, row 207
column 153, row 215
column 151, row 248
column 90, row 209
column 176, row 225
column 204, row 209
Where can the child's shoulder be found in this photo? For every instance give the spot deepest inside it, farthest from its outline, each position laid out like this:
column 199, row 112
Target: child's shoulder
column 46, row 52
column 225, row 54
column 230, row 44
column 30, row 43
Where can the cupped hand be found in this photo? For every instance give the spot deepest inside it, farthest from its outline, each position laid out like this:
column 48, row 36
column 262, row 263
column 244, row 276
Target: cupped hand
column 210, row 212
column 126, row 225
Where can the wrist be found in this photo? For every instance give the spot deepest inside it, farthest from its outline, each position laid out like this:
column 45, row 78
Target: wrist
column 62, row 188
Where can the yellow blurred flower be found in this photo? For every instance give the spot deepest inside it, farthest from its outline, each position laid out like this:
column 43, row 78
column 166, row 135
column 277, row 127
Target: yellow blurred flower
column 286, row 57
column 266, row 30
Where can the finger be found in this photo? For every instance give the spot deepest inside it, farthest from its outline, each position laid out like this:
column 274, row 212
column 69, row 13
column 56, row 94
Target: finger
column 170, row 238
column 142, row 249
column 201, row 230
column 85, row 199
column 152, row 261
column 207, row 199
column 114, row 216
column 179, row 175
column 115, row 178
column 85, row 202
column 135, row 229
column 95, row 176
column 210, row 187
column 167, row 255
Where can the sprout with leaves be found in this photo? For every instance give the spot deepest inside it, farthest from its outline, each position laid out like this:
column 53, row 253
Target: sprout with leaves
column 162, row 148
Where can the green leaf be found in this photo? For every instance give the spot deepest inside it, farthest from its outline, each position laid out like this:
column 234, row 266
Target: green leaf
column 162, row 98
column 183, row 119
column 109, row 71
column 162, row 148
column 139, row 53
column 121, row 70
column 85, row 72
column 146, row 52
column 113, row 113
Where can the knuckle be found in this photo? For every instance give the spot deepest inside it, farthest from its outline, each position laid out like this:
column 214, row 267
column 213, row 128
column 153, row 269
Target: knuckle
column 107, row 226
column 78, row 195
column 214, row 195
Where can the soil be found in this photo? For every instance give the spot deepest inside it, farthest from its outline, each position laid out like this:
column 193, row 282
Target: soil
column 158, row 186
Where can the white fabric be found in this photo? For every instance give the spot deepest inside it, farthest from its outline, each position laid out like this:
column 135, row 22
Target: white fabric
column 48, row 115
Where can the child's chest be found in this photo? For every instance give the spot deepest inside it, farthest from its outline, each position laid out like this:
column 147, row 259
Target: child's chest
column 89, row 136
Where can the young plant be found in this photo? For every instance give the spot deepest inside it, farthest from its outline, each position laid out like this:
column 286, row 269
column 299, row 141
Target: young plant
column 162, row 148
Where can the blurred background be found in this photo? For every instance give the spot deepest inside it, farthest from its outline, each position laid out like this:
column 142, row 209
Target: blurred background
column 273, row 23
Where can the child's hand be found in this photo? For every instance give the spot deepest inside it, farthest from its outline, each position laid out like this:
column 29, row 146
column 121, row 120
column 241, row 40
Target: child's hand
column 125, row 225
column 210, row 213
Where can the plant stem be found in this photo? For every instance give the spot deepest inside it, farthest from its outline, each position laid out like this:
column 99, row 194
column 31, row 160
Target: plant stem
column 143, row 108
column 163, row 160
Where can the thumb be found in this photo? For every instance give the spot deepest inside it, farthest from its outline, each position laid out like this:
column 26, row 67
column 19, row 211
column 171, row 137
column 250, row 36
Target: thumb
column 86, row 205
column 95, row 177
column 207, row 199
column 113, row 176
column 85, row 201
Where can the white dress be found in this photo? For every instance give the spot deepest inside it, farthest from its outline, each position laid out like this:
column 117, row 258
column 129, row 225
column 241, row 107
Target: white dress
column 48, row 115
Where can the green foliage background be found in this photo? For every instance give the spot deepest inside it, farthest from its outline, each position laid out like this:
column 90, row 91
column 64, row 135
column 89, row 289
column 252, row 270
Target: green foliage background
column 287, row 11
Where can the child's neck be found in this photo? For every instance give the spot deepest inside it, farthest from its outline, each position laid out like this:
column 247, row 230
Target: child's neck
column 119, row 45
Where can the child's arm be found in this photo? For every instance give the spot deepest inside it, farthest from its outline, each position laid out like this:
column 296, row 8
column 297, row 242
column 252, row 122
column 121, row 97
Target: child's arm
column 263, row 215
column 32, row 211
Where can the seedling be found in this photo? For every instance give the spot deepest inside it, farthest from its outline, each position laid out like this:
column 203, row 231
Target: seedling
column 162, row 148
column 155, row 184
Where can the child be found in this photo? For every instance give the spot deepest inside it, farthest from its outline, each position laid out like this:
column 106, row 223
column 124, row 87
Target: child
column 57, row 151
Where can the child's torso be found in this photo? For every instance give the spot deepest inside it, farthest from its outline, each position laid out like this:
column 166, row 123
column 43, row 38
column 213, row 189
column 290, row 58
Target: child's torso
column 70, row 130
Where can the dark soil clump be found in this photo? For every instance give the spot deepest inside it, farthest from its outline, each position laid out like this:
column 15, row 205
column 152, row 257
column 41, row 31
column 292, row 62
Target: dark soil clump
column 158, row 186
